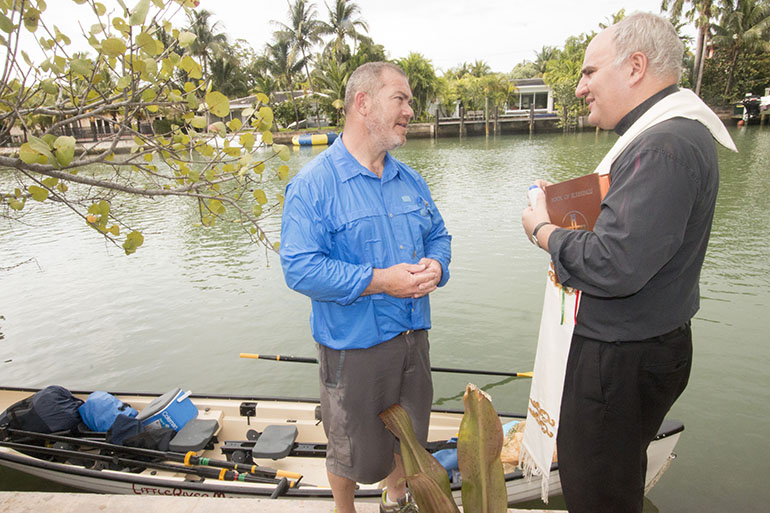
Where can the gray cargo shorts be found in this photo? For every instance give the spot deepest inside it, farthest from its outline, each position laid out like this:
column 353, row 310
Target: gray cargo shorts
column 356, row 385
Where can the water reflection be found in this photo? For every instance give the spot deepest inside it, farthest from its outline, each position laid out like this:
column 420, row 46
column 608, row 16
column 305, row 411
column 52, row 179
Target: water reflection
column 179, row 311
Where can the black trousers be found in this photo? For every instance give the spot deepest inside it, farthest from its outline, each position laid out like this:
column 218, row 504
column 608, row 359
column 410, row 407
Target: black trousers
column 616, row 395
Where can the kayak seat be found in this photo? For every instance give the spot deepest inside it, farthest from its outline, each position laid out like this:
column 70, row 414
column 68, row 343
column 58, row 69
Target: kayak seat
column 275, row 442
column 194, row 435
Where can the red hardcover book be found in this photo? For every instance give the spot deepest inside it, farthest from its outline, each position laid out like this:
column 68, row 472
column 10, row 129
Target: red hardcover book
column 576, row 203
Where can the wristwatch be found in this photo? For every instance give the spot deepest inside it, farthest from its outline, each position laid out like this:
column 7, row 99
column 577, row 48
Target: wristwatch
column 534, row 233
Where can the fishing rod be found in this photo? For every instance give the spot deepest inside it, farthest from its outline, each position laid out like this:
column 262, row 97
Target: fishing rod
column 282, row 484
column 304, row 359
column 189, row 459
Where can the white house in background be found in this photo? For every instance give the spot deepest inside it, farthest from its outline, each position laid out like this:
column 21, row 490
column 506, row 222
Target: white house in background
column 528, row 91
column 531, row 91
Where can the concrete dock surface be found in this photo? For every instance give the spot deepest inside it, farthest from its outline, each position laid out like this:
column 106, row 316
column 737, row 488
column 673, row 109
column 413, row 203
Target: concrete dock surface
column 23, row 502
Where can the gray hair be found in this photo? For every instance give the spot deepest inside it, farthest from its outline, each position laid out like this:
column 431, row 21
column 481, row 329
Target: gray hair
column 655, row 37
column 367, row 78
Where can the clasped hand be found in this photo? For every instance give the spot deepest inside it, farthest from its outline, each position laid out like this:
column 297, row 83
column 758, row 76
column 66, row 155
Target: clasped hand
column 407, row 280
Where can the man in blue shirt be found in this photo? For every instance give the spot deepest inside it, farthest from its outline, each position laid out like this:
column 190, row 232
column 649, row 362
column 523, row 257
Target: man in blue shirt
column 363, row 239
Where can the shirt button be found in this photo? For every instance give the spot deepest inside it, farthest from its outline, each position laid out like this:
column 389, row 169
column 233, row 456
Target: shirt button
column 401, row 246
column 391, row 215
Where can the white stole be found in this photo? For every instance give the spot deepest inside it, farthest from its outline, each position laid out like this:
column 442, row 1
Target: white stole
column 561, row 304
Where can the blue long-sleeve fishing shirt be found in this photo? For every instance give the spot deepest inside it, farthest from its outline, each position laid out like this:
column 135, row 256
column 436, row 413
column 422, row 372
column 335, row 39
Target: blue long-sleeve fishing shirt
column 341, row 221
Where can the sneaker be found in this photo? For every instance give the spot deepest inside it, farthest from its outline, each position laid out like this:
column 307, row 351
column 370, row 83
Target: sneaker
column 404, row 504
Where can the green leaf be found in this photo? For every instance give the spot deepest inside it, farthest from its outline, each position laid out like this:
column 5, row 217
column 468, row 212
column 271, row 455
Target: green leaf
column 429, row 495
column 235, row 124
column 282, row 151
column 267, row 137
column 6, row 25
column 82, row 66
column 218, row 104
column 479, row 443
column 266, row 113
column 38, row 193
column 49, row 86
column 192, row 68
column 16, row 204
column 199, row 122
column 101, row 10
column 133, row 241
column 260, row 196
column 219, row 129
column 113, row 47
column 283, row 172
column 42, row 147
column 139, row 13
column 123, row 82
column 31, row 18
column 186, row 38
column 146, row 42
column 416, row 458
column 65, row 149
column 262, row 97
column 247, row 141
column 30, row 156
column 257, row 210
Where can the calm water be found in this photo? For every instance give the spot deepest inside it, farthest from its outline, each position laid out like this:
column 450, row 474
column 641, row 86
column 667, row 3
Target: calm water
column 179, row 311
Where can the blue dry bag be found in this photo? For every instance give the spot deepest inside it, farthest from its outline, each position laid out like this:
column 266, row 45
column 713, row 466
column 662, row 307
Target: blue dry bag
column 101, row 409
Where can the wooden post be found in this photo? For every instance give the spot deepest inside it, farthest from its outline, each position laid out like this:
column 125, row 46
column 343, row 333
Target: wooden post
column 532, row 118
column 497, row 120
column 462, row 120
column 438, row 118
column 486, row 116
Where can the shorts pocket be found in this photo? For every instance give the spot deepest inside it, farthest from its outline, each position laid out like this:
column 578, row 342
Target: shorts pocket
column 330, row 362
column 339, row 451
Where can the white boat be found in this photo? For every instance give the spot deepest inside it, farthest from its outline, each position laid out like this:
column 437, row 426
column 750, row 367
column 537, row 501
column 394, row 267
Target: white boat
column 239, row 421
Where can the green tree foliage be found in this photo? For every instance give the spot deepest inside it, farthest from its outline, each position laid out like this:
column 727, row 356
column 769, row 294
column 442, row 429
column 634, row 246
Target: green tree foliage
column 752, row 75
column 422, row 80
column 209, row 42
column 344, row 22
column 563, row 74
column 285, row 65
column 127, row 82
column 742, row 30
column 331, row 78
column 701, row 12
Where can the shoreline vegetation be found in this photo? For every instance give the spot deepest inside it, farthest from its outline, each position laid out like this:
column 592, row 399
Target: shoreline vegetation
column 202, row 117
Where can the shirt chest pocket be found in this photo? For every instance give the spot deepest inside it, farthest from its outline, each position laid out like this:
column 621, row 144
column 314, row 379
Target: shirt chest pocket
column 360, row 237
column 381, row 239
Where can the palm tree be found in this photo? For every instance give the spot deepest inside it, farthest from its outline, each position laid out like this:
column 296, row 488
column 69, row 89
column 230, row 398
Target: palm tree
column 332, row 76
column 283, row 64
column 740, row 29
column 208, row 40
column 342, row 24
column 480, row 68
column 422, row 80
column 303, row 32
column 542, row 57
column 702, row 13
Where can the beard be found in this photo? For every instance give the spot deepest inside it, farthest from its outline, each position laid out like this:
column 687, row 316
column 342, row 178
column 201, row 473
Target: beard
column 384, row 133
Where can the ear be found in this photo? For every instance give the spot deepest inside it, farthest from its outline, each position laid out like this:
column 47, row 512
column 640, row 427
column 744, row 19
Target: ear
column 361, row 103
column 638, row 62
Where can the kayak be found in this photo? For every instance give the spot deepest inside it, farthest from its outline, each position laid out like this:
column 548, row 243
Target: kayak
column 239, row 446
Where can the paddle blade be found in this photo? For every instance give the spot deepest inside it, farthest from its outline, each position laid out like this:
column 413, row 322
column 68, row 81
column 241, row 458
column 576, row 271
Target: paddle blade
column 479, row 444
column 417, row 460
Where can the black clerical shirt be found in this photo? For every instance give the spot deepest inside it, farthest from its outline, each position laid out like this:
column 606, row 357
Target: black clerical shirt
column 639, row 268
